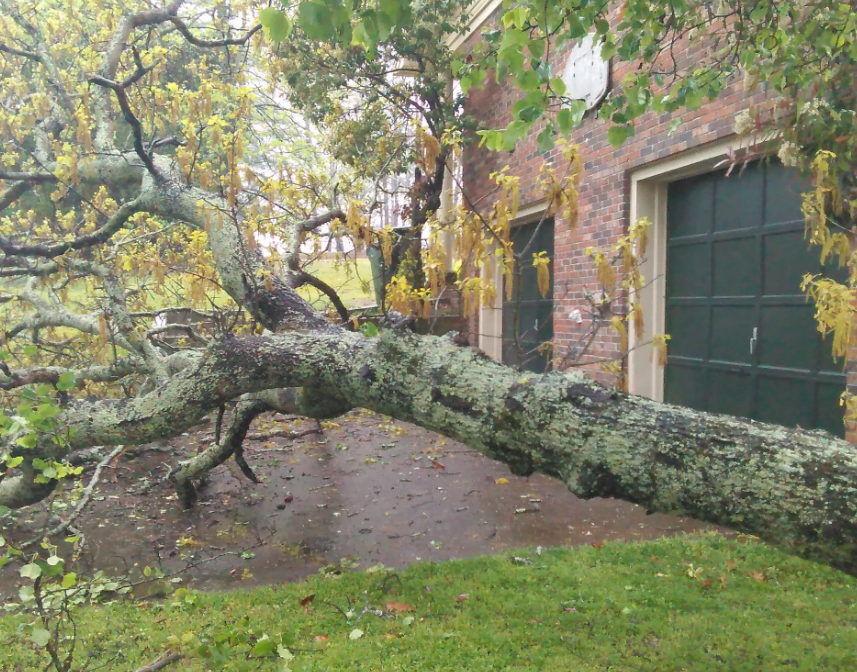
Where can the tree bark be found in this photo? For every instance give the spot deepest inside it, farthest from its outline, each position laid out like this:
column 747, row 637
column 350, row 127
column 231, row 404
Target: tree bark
column 793, row 488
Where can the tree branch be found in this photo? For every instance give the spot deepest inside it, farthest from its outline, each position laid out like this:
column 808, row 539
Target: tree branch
column 227, row 42
column 32, row 55
column 136, row 127
column 50, row 250
column 33, row 178
column 51, row 374
column 13, row 193
column 304, row 278
column 229, row 445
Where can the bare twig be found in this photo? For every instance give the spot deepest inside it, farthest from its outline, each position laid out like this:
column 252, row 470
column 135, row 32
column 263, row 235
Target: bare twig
column 166, row 658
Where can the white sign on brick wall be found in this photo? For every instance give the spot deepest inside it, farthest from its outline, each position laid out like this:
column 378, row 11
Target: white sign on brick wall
column 586, row 74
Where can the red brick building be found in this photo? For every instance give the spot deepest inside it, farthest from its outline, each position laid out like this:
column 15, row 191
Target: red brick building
column 724, row 265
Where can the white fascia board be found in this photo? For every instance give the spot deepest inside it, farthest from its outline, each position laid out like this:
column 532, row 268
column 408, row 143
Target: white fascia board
column 479, row 12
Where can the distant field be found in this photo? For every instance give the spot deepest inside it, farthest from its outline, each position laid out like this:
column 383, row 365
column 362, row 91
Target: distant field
column 354, row 285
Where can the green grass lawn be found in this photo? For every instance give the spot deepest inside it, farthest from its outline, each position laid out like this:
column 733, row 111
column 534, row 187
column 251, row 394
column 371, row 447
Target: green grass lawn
column 678, row 604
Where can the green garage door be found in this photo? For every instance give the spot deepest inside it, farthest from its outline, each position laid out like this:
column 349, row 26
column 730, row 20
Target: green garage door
column 743, row 337
column 529, row 314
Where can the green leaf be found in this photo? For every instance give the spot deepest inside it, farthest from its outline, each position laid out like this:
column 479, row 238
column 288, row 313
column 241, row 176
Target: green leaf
column 365, row 35
column 276, row 24
column 558, row 86
column 13, row 461
column 393, row 9
column 616, row 135
column 513, row 38
column 456, row 67
column 527, row 81
column 577, row 109
column 608, row 50
column 369, row 330
column 516, row 17
column 54, row 560
column 466, row 83
column 31, row 351
column 26, row 441
column 284, row 653
column 69, row 580
column 575, row 26
column 66, row 381
column 40, row 637
column 26, row 594
column 264, row 647
column 545, row 139
column 316, row 20
column 357, row 633
column 31, row 571
column 526, row 112
column 564, row 121
column 515, row 132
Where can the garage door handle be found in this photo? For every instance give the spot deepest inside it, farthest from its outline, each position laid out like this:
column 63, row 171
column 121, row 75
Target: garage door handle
column 753, row 340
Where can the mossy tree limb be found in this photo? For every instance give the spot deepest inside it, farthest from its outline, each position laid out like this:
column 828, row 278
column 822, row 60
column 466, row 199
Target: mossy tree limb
column 793, row 488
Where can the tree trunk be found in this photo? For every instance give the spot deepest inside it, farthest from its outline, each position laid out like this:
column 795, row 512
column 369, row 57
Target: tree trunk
column 796, row 489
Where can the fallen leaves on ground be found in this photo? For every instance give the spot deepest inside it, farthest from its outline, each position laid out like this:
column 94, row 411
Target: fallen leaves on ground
column 307, row 600
column 501, row 481
column 399, row 607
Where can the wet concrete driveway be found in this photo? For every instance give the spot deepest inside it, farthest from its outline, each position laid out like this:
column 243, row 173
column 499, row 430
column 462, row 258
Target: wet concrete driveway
column 367, row 489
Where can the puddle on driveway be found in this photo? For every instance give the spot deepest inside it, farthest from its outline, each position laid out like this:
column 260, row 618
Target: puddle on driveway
column 368, row 489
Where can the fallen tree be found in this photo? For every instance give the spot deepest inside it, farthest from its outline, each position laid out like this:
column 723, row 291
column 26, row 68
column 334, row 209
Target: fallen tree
column 793, row 488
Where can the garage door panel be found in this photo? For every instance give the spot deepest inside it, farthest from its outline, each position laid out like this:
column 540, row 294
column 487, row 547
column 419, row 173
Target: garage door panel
column 688, row 331
column 731, row 392
column 731, row 329
column 736, row 267
column 690, row 210
column 784, row 189
column 786, row 401
column 686, row 385
column 786, row 258
column 788, row 337
column 736, row 204
column 689, row 271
